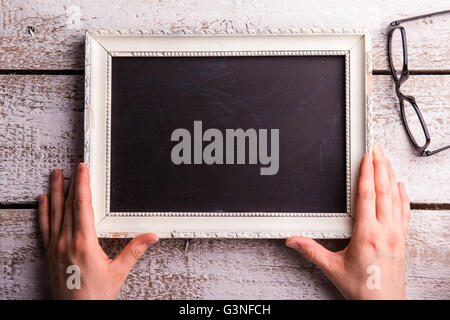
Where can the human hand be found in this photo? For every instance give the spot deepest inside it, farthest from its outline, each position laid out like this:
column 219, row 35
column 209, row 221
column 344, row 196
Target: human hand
column 372, row 266
column 69, row 237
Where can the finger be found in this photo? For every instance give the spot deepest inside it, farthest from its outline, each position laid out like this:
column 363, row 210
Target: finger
column 44, row 219
column 396, row 205
column 365, row 201
column 132, row 252
column 314, row 252
column 383, row 188
column 406, row 210
column 67, row 228
column 56, row 202
column 83, row 217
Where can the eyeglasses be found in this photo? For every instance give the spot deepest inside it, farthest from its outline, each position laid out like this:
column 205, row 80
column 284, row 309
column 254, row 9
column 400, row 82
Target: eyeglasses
column 411, row 116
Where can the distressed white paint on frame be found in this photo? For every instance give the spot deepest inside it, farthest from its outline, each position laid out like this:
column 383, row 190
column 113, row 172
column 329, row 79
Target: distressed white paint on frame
column 102, row 44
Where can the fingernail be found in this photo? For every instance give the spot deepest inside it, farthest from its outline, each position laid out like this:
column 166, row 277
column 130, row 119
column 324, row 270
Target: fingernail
column 148, row 243
column 377, row 149
column 55, row 174
column 80, row 167
column 151, row 241
column 292, row 244
column 41, row 198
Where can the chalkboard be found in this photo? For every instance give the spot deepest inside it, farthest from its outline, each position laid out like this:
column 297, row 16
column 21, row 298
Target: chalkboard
column 302, row 98
column 225, row 136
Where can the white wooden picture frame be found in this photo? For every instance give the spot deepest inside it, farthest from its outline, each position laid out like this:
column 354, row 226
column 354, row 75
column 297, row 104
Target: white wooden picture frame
column 102, row 45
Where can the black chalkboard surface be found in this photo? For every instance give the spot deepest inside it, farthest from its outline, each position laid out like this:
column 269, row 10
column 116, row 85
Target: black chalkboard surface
column 301, row 96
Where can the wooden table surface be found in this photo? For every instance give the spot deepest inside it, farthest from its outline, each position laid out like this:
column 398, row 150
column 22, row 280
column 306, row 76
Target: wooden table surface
column 41, row 123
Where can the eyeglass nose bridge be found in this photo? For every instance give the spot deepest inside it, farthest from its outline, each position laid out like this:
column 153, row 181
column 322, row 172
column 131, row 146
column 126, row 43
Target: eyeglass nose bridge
column 403, row 96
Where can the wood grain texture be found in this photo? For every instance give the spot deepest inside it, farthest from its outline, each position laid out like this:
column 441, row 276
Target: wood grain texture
column 222, row 269
column 41, row 121
column 43, row 34
column 427, row 178
column 42, row 129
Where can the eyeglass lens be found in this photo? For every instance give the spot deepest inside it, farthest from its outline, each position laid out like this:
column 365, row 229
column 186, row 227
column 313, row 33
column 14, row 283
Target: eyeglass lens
column 413, row 122
column 397, row 51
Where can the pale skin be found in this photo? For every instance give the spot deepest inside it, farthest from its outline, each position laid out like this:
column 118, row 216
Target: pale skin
column 381, row 223
column 68, row 233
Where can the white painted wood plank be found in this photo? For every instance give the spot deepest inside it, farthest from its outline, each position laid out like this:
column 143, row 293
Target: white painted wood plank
column 43, row 34
column 222, row 269
column 41, row 121
column 42, row 129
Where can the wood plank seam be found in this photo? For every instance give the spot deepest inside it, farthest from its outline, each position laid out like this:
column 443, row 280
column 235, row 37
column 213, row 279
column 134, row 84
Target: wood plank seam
column 214, row 269
column 47, row 72
column 414, row 206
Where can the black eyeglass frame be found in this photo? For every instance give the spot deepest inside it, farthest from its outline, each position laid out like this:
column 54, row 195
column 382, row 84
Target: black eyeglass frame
column 404, row 75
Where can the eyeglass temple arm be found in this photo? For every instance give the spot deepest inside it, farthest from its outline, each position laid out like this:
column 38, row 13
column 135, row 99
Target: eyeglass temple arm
column 397, row 22
column 429, row 153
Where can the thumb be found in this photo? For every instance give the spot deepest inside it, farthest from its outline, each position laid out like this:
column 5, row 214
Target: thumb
column 314, row 252
column 133, row 251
